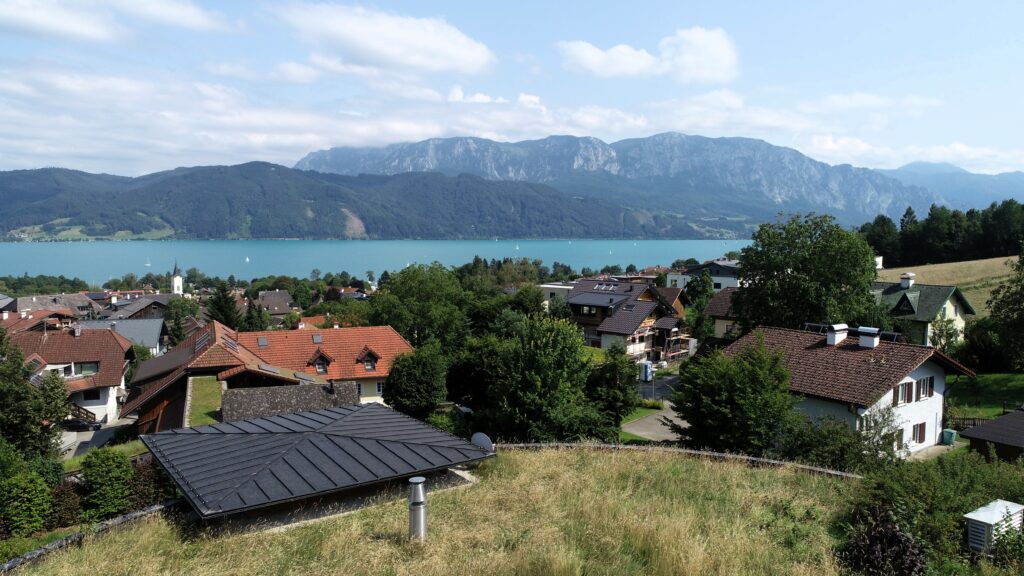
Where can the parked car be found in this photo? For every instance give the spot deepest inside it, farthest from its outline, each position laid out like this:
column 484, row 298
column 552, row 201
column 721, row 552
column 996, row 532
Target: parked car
column 79, row 425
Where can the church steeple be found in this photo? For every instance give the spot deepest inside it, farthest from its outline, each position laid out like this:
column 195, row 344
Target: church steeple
column 177, row 282
column 177, row 271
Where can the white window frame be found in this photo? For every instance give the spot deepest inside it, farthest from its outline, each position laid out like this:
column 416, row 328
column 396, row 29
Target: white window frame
column 380, row 389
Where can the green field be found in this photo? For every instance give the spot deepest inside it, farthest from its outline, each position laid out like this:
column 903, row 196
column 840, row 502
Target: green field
column 975, row 278
column 546, row 512
column 985, row 397
column 205, row 401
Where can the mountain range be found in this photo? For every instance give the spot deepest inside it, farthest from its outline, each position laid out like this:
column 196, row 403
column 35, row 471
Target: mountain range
column 664, row 186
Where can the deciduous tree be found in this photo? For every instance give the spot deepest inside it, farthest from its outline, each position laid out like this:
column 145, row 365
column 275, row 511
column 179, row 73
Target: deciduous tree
column 416, row 381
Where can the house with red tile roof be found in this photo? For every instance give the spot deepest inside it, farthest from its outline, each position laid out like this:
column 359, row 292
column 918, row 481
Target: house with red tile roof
column 93, row 363
column 14, row 322
column 359, row 358
column 848, row 374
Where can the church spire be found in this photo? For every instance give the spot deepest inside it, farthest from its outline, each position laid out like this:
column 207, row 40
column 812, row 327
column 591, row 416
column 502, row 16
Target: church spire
column 177, row 271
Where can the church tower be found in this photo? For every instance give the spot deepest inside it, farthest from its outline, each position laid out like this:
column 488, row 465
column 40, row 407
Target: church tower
column 177, row 282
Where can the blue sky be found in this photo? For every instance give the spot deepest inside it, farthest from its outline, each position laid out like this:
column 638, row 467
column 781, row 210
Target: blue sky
column 130, row 86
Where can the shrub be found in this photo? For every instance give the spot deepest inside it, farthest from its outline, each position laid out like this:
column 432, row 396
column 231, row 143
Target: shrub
column 124, row 434
column 878, row 546
column 107, row 476
column 651, row 403
column 10, row 460
column 67, row 506
column 24, row 503
column 149, row 485
column 1008, row 549
column 49, row 469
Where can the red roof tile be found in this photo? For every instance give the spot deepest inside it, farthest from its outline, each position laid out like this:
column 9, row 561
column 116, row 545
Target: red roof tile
column 294, row 349
column 846, row 372
column 108, row 348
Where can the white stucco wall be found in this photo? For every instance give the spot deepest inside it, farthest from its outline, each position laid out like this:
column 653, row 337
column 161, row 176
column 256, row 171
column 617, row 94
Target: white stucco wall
column 554, row 290
column 927, row 410
column 677, row 280
column 722, row 327
column 368, row 392
column 105, row 407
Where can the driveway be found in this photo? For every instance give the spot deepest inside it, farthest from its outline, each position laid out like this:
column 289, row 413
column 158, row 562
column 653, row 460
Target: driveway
column 659, row 389
column 85, row 441
column 651, row 426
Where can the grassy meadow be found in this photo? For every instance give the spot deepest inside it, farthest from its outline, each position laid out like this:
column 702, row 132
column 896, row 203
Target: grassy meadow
column 976, row 278
column 205, row 401
column 547, row 512
column 986, row 396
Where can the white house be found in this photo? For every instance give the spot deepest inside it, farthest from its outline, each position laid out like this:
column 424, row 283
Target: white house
column 552, row 290
column 92, row 362
column 724, row 274
column 848, row 374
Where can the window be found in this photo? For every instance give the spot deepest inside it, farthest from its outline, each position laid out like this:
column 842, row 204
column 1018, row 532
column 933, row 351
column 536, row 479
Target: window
column 588, row 310
column 903, row 393
column 86, row 368
column 320, row 365
column 924, row 388
column 67, row 370
column 551, row 295
column 675, row 283
column 91, row 395
column 718, row 285
column 370, row 364
column 919, row 432
column 380, row 388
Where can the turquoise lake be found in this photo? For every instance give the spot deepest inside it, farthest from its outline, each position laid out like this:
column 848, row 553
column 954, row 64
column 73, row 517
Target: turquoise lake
column 96, row 262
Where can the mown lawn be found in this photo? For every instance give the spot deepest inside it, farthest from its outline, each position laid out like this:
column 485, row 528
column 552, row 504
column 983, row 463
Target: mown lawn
column 205, row 401
column 986, row 397
column 545, row 512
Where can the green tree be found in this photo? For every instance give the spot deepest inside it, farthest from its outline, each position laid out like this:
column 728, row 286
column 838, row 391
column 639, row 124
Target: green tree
column 733, row 403
column 423, row 303
column 532, row 384
column 558, row 307
column 416, row 382
column 804, row 270
column 222, row 307
column 255, row 319
column 141, row 354
column 178, row 309
column 944, row 335
column 700, row 290
column 52, row 393
column 28, row 417
column 883, row 236
column 24, row 503
column 1007, row 306
column 612, row 385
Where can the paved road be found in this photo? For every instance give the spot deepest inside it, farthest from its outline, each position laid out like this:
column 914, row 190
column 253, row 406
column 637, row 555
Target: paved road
column 652, row 427
column 659, row 389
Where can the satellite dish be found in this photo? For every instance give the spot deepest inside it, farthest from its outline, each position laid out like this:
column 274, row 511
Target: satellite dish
column 480, row 439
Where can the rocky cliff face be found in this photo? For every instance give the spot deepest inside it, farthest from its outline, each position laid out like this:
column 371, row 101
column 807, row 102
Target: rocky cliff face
column 710, row 176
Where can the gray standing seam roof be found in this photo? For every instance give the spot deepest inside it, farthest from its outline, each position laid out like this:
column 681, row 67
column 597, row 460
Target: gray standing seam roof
column 143, row 331
column 236, row 466
column 1008, row 429
column 597, row 298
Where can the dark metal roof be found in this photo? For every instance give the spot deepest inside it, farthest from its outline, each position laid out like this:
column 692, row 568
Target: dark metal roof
column 625, row 321
column 236, row 466
column 1008, row 429
column 597, row 299
column 143, row 331
column 920, row 302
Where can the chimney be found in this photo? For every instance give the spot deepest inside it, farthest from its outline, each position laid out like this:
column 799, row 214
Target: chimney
column 78, row 330
column 301, row 325
column 113, row 325
column 23, row 313
column 113, row 299
column 336, row 326
column 907, row 279
column 836, row 334
column 5, row 314
column 869, row 337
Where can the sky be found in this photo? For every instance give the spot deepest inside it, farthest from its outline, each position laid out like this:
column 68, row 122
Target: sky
column 134, row 86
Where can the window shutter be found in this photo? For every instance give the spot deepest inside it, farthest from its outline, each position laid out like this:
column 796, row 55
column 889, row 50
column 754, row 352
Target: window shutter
column 896, row 395
column 918, row 384
column 931, row 386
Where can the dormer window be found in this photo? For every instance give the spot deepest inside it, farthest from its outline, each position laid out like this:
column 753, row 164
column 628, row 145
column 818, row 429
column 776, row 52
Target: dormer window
column 321, row 366
column 369, row 359
column 370, row 363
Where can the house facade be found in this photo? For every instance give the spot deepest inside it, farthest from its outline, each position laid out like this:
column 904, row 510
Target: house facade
column 79, row 304
column 917, row 307
column 92, row 362
column 850, row 375
column 724, row 274
column 637, row 316
column 719, row 308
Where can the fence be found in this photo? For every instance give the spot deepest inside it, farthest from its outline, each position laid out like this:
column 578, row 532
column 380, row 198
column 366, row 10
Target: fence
column 964, row 423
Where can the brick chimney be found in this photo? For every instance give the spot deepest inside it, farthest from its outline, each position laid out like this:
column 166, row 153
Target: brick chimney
column 907, row 279
column 836, row 334
column 869, row 337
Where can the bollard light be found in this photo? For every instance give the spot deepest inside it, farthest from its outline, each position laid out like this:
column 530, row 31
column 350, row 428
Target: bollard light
column 417, row 509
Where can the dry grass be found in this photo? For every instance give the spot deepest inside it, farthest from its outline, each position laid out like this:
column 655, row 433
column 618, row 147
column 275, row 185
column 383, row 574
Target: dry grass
column 549, row 512
column 976, row 278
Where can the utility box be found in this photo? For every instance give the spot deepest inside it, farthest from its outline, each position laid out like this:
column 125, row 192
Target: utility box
column 949, row 436
column 646, row 371
column 986, row 524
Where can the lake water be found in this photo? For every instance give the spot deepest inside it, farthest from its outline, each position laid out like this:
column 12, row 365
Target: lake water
column 96, row 262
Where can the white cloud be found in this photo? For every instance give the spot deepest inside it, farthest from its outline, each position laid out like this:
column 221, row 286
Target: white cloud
column 852, row 150
column 296, row 73
column 616, row 62
column 691, row 55
column 48, row 18
column 178, row 13
column 405, row 90
column 371, row 39
column 457, row 95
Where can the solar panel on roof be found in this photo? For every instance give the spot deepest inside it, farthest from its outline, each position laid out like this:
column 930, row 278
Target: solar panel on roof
column 231, row 344
column 317, row 339
column 261, row 341
column 267, row 368
column 202, row 341
column 304, row 377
